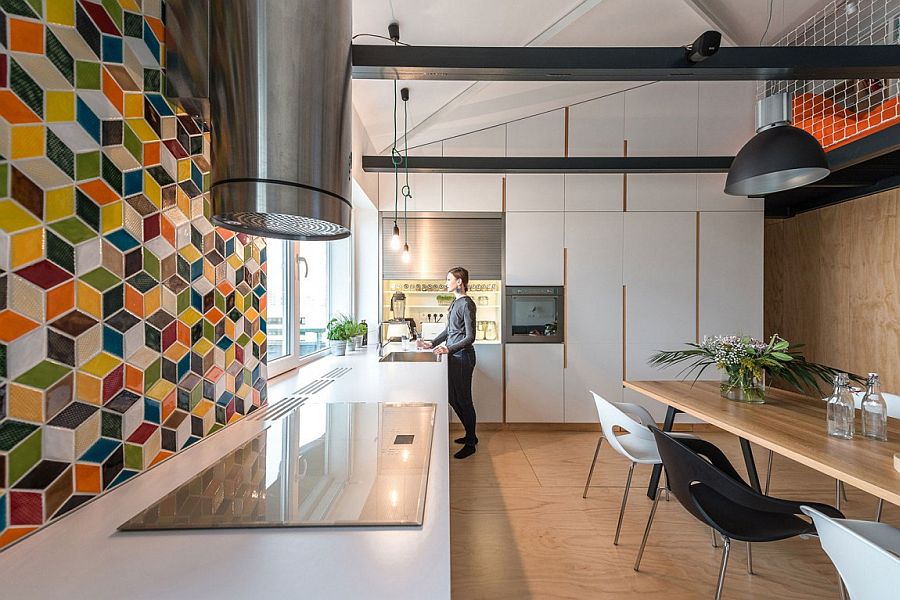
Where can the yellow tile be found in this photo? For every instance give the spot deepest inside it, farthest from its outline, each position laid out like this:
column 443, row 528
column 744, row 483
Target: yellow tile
column 59, row 204
column 152, row 301
column 259, row 338
column 25, row 403
column 101, row 364
column 229, row 328
column 27, row 141
column 202, row 408
column 235, row 262
column 61, row 11
column 160, row 390
column 26, row 247
column 190, row 253
column 190, row 317
column 176, row 351
column 111, row 217
column 142, row 129
column 184, row 169
column 229, row 355
column 15, row 218
column 90, row 300
column 60, row 105
column 251, row 314
column 132, row 5
column 203, row 346
column 134, row 105
column 152, row 190
column 88, row 388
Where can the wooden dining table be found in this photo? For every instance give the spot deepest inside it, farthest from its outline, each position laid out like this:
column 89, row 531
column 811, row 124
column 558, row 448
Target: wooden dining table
column 789, row 424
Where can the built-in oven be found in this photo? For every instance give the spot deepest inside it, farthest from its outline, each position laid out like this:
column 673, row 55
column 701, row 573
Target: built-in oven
column 534, row 314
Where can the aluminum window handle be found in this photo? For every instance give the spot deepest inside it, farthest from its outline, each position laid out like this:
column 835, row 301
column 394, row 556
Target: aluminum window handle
column 301, row 259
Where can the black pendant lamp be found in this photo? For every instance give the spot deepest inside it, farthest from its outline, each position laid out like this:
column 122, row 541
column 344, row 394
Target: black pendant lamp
column 779, row 157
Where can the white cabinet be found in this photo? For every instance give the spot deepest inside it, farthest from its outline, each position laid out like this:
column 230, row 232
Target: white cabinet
column 487, row 142
column 487, row 384
column 541, row 135
column 712, row 196
column 426, row 190
column 535, row 192
column 597, row 128
column 726, row 116
column 534, row 383
column 593, row 312
column 534, row 248
column 731, row 273
column 473, row 192
column 661, row 119
column 660, row 279
column 592, row 192
column 662, row 192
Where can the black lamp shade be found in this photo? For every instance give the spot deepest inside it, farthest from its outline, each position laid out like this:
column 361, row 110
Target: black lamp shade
column 780, row 158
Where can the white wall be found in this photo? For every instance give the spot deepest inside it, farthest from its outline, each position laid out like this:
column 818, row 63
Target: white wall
column 365, row 260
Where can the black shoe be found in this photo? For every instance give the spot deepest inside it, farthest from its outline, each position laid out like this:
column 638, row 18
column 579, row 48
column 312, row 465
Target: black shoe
column 465, row 451
column 462, row 440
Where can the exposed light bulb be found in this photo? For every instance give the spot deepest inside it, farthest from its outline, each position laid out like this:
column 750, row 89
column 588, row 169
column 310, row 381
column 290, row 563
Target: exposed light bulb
column 406, row 257
column 395, row 238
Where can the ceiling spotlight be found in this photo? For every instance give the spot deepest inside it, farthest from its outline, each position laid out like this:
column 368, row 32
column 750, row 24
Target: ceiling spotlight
column 779, row 157
column 704, row 46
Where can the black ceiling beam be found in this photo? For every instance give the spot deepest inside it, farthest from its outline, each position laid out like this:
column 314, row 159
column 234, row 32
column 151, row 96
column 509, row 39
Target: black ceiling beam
column 754, row 63
column 553, row 164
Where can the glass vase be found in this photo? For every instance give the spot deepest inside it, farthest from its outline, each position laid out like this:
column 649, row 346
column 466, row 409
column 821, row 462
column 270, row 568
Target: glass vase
column 742, row 387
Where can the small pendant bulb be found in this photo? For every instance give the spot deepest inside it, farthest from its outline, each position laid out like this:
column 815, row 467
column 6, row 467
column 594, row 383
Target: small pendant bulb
column 395, row 238
column 406, row 256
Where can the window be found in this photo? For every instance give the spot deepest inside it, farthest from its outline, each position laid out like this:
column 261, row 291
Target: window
column 280, row 290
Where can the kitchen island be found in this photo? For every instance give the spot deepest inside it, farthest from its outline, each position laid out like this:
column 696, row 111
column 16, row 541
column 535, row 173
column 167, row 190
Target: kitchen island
column 83, row 555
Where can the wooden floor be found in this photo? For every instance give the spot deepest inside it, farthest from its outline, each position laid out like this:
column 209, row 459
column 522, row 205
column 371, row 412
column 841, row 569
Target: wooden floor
column 520, row 528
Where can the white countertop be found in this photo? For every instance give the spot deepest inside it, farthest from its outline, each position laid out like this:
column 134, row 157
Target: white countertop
column 84, row 556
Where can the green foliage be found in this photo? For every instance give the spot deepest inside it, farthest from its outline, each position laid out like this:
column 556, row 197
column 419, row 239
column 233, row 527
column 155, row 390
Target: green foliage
column 343, row 327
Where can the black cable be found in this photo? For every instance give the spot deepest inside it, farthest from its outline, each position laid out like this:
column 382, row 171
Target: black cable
column 381, row 37
column 768, row 23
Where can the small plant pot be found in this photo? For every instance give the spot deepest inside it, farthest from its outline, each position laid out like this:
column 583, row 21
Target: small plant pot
column 338, row 348
column 749, row 389
column 351, row 345
column 357, row 342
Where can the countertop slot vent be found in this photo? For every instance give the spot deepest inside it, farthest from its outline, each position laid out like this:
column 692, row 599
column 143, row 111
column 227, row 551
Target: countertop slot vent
column 313, row 387
column 336, row 373
column 274, row 411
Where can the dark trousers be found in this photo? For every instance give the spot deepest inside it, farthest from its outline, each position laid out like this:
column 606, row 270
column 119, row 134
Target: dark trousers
column 459, row 385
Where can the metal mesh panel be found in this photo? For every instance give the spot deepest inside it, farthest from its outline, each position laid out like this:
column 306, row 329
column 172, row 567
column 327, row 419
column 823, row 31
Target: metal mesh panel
column 839, row 111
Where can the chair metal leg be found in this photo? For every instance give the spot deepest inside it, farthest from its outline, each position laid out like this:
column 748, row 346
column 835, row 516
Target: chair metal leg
column 637, row 560
column 714, row 538
column 724, row 566
column 749, row 558
column 624, row 500
column 879, row 509
column 593, row 462
column 844, row 492
column 837, row 494
column 769, row 473
column 666, row 489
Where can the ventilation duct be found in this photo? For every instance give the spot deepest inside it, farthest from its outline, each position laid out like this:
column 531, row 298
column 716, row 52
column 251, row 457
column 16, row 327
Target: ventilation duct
column 277, row 77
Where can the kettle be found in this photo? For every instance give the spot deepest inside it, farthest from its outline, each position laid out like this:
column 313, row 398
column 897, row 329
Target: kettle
column 398, row 306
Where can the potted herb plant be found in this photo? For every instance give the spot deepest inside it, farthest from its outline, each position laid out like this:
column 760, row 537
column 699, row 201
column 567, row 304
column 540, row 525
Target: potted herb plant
column 744, row 362
column 357, row 330
column 337, row 334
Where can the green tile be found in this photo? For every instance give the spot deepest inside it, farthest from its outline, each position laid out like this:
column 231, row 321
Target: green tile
column 219, row 301
column 134, row 457
column 143, row 282
column 13, row 432
column 4, row 180
column 88, row 210
column 60, row 154
column 115, row 12
column 19, row 7
column 43, row 375
column 24, row 456
column 242, row 341
column 73, row 230
column 111, row 425
column 184, row 300
column 196, row 396
column 133, row 24
column 26, row 88
column 151, row 80
column 60, row 57
column 101, row 279
column 111, row 174
column 209, row 332
column 133, row 143
column 152, row 373
column 151, row 264
column 87, row 75
column 87, row 165
column 215, row 428
column 60, row 252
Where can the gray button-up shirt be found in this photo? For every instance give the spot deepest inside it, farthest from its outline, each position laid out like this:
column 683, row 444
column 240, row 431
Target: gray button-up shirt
column 460, row 331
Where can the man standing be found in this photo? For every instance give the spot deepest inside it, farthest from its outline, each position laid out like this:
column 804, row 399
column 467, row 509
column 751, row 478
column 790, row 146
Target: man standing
column 456, row 341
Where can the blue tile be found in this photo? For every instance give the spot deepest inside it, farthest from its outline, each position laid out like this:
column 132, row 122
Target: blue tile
column 224, row 343
column 151, row 41
column 196, row 300
column 262, row 325
column 123, row 476
column 196, row 176
column 113, row 342
column 191, row 440
column 134, row 182
column 87, row 119
column 262, row 255
column 160, row 104
column 100, row 451
column 257, row 371
column 258, row 291
column 229, row 247
column 184, row 366
column 112, row 49
column 196, row 270
column 225, row 398
column 122, row 240
column 2, row 512
column 151, row 411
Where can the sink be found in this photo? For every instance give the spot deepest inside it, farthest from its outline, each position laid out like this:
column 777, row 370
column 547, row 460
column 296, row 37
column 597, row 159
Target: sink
column 410, row 357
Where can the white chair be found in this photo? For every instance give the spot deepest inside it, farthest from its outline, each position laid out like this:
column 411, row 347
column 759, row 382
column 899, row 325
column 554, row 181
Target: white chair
column 637, row 445
column 865, row 554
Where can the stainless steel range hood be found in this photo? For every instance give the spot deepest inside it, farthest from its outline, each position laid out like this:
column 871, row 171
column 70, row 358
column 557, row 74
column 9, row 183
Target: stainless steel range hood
column 279, row 109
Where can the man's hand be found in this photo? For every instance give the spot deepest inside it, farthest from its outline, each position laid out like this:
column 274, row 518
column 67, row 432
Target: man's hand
column 441, row 350
column 420, row 343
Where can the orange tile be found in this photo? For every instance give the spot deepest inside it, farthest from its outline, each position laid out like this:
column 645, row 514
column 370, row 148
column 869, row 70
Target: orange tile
column 169, row 404
column 88, row 388
column 183, row 333
column 87, row 478
column 113, row 92
column 26, row 36
column 168, row 230
column 13, row 325
column 134, row 379
column 134, row 301
column 152, row 301
column 151, row 154
column 214, row 315
column 60, row 300
column 12, row 534
column 14, row 110
column 158, row 28
column 99, row 191
column 163, row 455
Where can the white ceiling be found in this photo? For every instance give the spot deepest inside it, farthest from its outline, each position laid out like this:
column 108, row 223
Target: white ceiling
column 441, row 109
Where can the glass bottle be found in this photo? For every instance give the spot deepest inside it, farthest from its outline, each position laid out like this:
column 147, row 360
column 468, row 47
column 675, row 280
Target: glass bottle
column 874, row 411
column 841, row 410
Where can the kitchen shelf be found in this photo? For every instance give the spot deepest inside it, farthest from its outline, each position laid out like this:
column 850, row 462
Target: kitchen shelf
column 440, row 292
column 411, row 306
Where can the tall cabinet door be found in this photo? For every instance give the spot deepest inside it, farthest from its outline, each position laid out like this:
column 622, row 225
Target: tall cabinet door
column 660, row 290
column 534, row 383
column 593, row 312
column 534, row 248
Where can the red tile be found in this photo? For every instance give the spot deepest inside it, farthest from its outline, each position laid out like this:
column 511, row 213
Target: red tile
column 176, row 149
column 239, row 353
column 101, row 18
column 169, row 335
column 44, row 274
column 26, row 508
column 142, row 433
column 151, row 227
column 113, row 383
column 3, row 71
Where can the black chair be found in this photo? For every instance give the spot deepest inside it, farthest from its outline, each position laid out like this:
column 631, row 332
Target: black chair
column 707, row 485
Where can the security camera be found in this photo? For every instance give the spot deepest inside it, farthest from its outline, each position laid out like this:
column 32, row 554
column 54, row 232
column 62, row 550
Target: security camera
column 704, row 46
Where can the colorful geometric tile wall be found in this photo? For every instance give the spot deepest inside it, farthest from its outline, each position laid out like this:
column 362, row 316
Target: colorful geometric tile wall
column 130, row 327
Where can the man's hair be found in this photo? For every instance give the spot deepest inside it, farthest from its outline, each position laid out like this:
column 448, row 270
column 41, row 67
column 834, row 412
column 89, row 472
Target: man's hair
column 460, row 273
